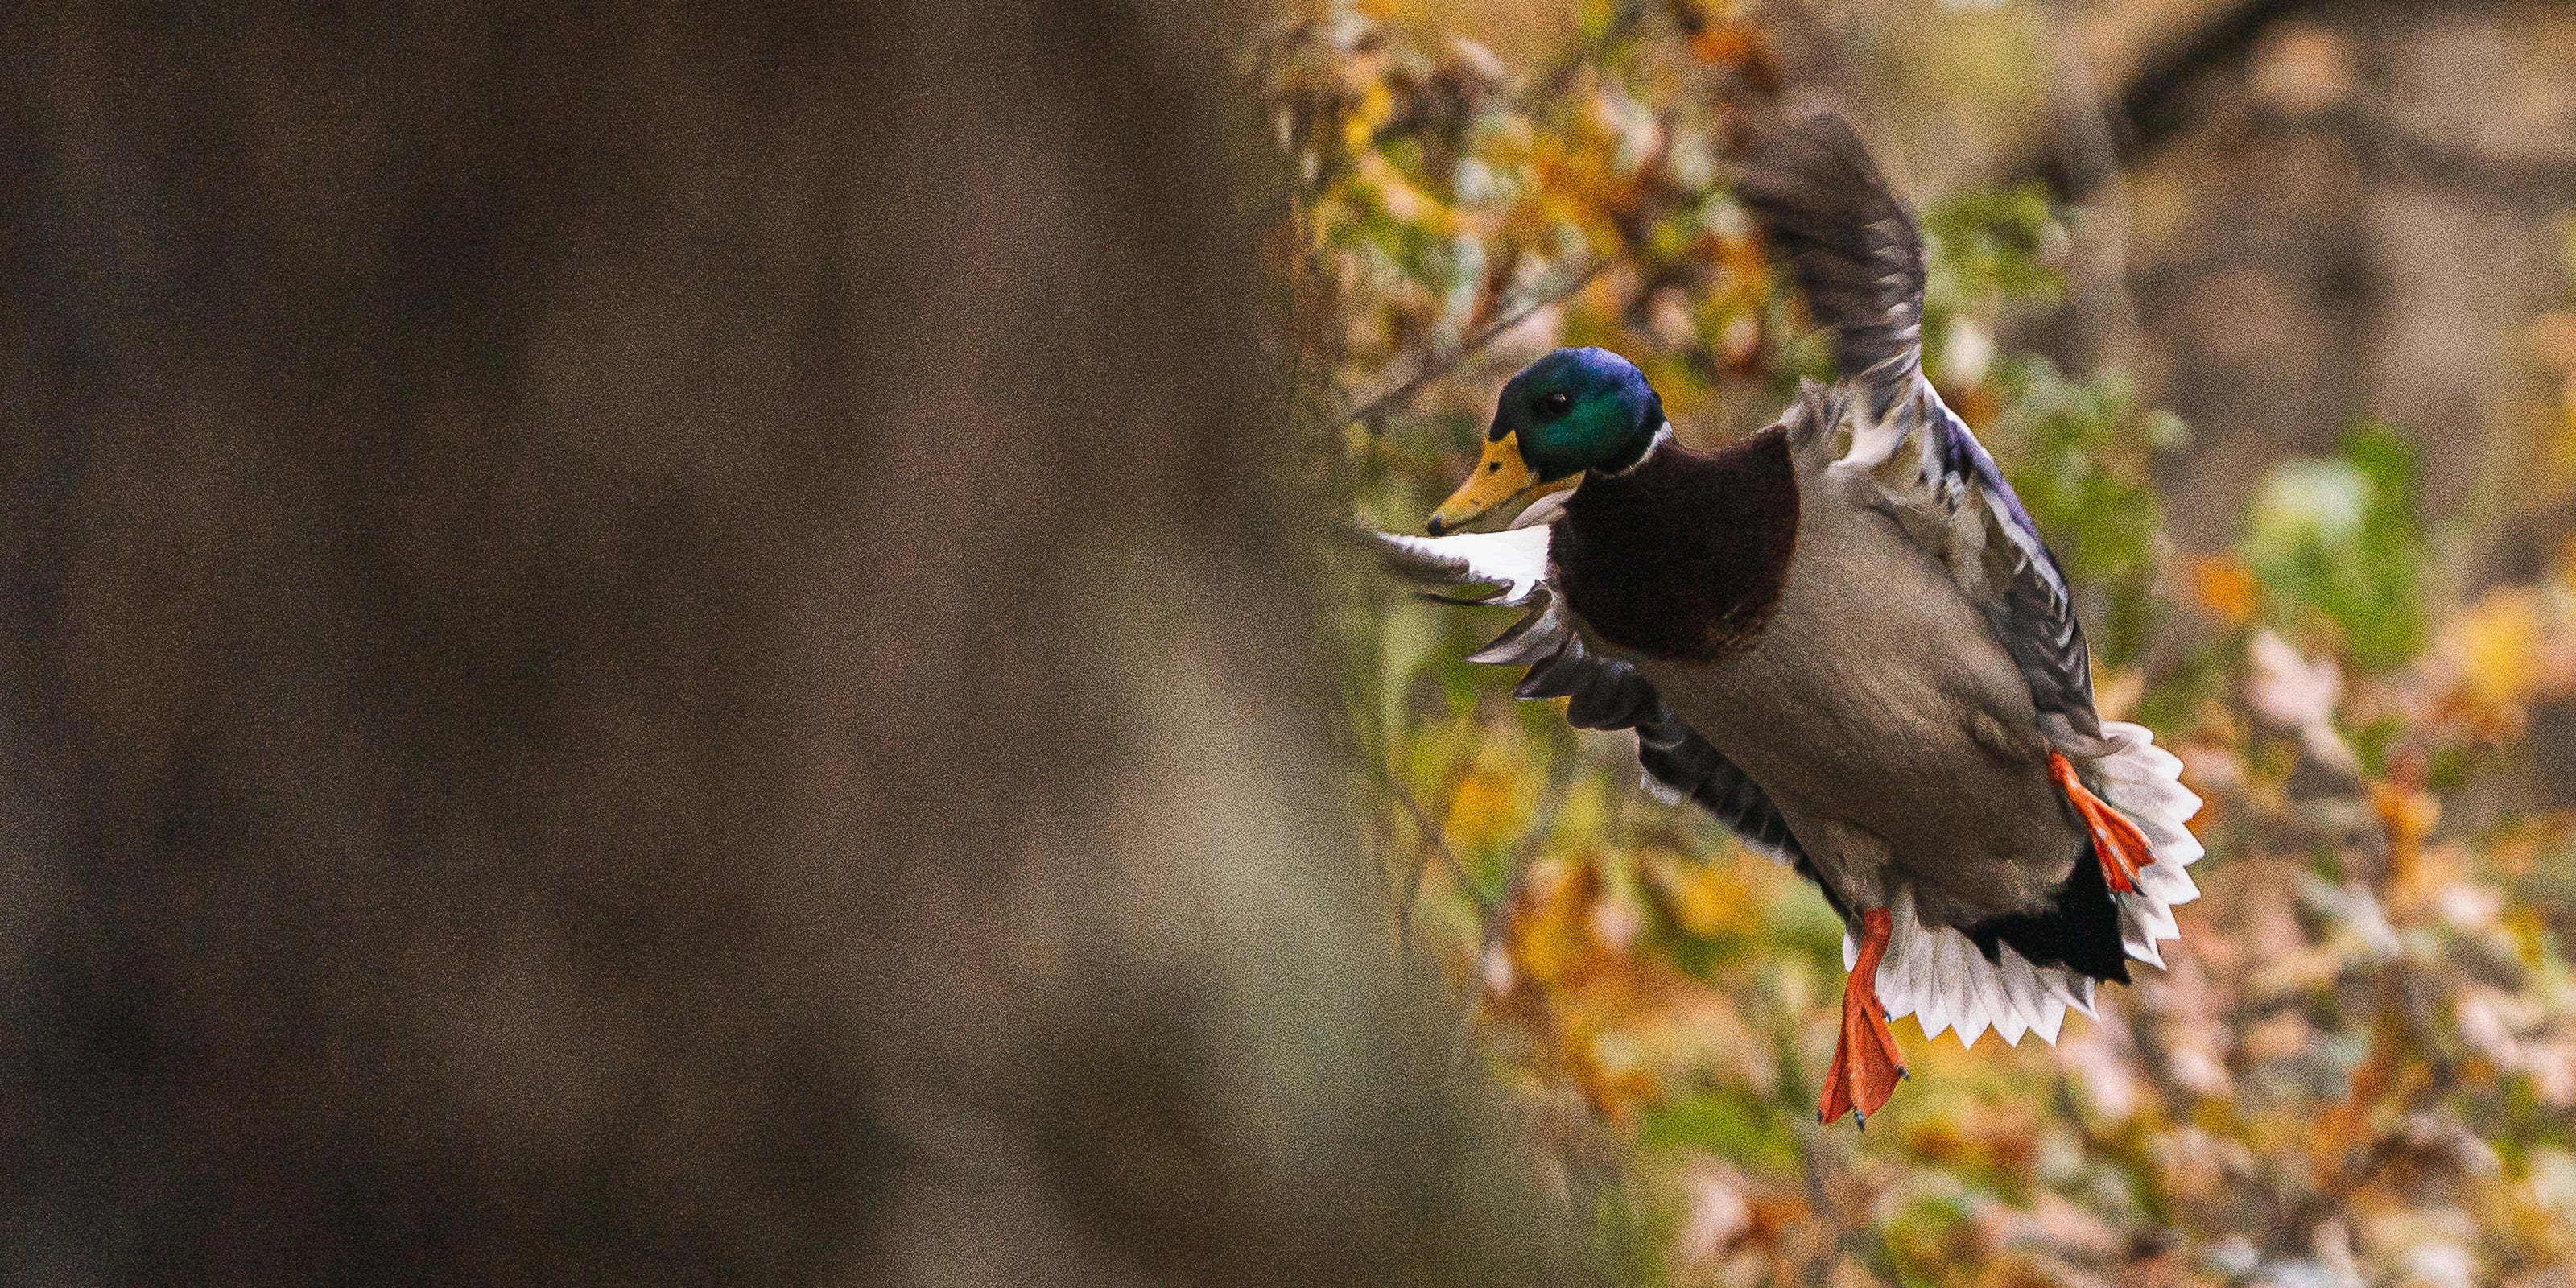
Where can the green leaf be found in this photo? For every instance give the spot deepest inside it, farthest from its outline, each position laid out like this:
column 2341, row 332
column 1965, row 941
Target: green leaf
column 2337, row 539
column 2076, row 452
column 1731, row 1123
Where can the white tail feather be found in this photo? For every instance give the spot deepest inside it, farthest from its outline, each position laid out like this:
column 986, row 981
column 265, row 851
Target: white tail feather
column 1916, row 981
column 2062, row 988
column 1949, row 963
column 1936, row 975
column 2143, row 781
column 2011, row 1021
column 2048, row 1008
column 1903, row 938
column 2169, row 883
column 2135, row 936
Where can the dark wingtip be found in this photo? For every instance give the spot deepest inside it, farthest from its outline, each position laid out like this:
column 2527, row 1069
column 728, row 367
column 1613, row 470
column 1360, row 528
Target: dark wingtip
column 1434, row 527
column 1827, row 210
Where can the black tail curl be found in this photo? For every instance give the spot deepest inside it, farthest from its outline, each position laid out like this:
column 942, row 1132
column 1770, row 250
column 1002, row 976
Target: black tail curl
column 2080, row 930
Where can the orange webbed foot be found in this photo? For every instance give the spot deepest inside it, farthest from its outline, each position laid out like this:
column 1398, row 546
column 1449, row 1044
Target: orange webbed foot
column 2117, row 841
column 1866, row 1064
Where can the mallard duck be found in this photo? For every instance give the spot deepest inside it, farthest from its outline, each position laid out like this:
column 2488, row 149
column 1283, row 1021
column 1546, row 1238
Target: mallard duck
column 1844, row 637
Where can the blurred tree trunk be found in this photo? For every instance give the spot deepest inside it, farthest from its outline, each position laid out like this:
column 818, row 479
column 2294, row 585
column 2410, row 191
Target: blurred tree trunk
column 662, row 647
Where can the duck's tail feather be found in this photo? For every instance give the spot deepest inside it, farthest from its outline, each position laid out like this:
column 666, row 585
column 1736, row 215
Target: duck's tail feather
column 1939, row 977
column 2018, row 979
column 2144, row 782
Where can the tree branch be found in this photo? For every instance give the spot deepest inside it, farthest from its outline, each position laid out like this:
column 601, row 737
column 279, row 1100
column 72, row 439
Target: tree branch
column 2152, row 106
column 1435, row 366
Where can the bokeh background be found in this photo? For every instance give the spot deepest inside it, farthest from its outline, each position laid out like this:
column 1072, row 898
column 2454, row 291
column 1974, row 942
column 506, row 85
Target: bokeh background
column 642, row 644
column 2265, row 309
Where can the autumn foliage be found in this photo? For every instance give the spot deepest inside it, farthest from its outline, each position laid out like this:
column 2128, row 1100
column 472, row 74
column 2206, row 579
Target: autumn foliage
column 2359, row 1064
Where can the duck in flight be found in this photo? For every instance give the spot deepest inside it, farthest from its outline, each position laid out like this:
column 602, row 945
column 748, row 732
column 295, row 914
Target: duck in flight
column 1841, row 635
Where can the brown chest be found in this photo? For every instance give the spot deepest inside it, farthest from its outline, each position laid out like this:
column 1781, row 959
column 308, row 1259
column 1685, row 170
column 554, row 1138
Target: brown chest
column 1684, row 556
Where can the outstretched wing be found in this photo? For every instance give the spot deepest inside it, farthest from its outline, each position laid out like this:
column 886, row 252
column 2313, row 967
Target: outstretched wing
column 1600, row 692
column 1822, row 207
column 1605, row 693
column 1822, row 203
column 1509, row 567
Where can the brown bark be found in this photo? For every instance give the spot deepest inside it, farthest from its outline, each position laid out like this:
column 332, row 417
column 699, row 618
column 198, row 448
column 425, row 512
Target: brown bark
column 658, row 646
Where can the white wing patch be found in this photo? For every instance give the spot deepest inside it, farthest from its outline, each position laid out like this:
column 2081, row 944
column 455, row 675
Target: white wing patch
column 1515, row 559
column 1936, row 975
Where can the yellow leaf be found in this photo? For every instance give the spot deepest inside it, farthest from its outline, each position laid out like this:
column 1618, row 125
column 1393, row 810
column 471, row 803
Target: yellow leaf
column 1614, row 1085
column 2116, row 690
column 1704, row 897
column 1359, row 129
column 1552, row 938
column 2409, row 814
column 2497, row 646
column 1486, row 809
column 1739, row 46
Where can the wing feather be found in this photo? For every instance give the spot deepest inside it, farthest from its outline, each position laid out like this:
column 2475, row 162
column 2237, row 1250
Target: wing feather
column 1809, row 182
column 1858, row 256
column 1600, row 692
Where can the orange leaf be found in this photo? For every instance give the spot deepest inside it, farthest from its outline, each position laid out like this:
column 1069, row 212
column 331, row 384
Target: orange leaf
column 2224, row 586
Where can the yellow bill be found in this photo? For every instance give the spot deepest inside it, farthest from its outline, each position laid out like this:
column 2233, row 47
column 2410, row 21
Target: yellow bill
column 1500, row 475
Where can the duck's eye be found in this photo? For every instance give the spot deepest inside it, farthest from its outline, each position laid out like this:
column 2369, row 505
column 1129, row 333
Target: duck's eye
column 1556, row 403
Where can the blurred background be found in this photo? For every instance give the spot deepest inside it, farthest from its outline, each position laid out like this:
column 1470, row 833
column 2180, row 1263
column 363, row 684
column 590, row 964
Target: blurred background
column 642, row 645
column 2265, row 308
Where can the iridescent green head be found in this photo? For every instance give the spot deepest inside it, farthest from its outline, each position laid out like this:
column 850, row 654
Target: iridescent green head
column 1569, row 413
